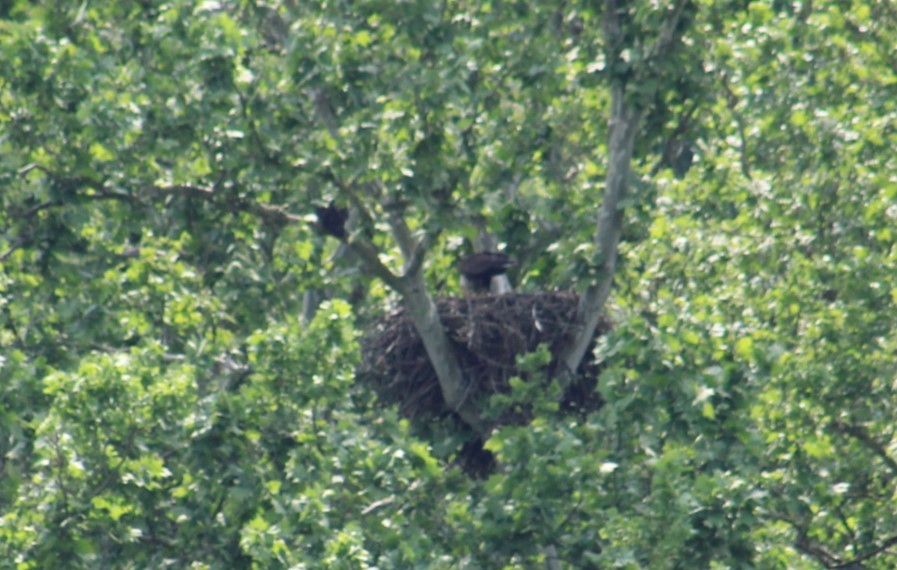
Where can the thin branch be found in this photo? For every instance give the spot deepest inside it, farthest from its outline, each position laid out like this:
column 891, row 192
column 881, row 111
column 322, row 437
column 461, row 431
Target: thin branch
column 573, row 510
column 884, row 47
column 350, row 191
column 371, row 259
column 400, row 231
column 732, row 103
column 33, row 211
column 272, row 214
column 861, row 434
column 681, row 128
column 253, row 127
column 667, row 34
column 60, row 464
column 845, row 524
column 35, row 166
column 98, row 191
column 817, row 551
column 376, row 505
column 828, row 559
column 418, row 255
column 105, row 195
column 16, row 244
column 324, row 112
column 184, row 190
column 856, row 562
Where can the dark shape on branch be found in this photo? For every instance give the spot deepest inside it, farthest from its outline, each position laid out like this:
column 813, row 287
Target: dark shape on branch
column 478, row 269
column 475, row 460
column 332, row 220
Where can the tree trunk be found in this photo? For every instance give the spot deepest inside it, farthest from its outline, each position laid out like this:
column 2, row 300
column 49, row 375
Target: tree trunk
column 626, row 114
column 442, row 355
column 624, row 124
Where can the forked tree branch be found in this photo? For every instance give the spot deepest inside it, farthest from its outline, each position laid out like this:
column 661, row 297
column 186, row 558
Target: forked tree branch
column 412, row 286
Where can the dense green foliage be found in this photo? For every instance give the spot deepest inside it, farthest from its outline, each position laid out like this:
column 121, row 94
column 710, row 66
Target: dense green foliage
column 164, row 404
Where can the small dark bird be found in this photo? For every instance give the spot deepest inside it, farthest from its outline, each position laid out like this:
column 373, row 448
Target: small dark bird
column 478, row 269
column 332, row 220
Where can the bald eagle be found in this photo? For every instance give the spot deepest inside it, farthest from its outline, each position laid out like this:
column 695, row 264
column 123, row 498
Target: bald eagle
column 478, row 269
column 332, row 220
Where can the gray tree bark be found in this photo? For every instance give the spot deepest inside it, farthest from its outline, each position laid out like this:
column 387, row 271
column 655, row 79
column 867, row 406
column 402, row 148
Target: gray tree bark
column 626, row 114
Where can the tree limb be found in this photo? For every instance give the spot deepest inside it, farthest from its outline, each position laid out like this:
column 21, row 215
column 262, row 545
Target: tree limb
column 667, row 35
column 425, row 317
column 418, row 254
column 552, row 560
column 184, row 190
column 411, row 285
column 16, row 244
column 350, row 191
column 805, row 545
column 732, row 104
column 857, row 561
column 670, row 145
column 400, row 230
column 625, row 118
column 862, row 434
column 272, row 214
column 370, row 257
column 624, row 124
column 421, row 307
column 426, row 321
column 817, row 551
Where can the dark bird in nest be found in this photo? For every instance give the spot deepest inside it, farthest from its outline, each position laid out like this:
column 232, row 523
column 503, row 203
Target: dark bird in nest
column 332, row 220
column 478, row 269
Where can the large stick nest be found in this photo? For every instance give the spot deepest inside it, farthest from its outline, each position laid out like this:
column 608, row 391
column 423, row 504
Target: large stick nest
column 488, row 334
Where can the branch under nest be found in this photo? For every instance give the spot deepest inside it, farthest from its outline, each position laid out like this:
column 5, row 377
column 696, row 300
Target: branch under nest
column 488, row 333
